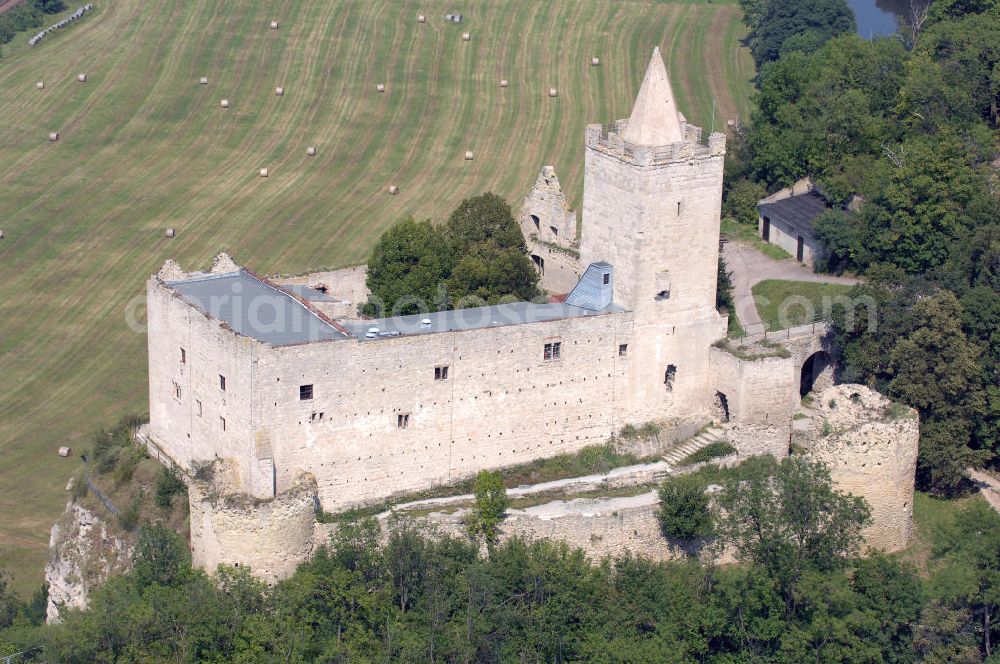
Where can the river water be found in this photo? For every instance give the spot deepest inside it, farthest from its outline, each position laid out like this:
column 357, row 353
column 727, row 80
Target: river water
column 878, row 17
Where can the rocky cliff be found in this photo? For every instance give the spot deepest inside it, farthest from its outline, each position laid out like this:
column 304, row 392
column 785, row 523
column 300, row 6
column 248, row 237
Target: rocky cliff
column 84, row 550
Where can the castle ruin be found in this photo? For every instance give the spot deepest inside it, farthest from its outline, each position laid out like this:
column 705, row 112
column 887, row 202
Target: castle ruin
column 302, row 403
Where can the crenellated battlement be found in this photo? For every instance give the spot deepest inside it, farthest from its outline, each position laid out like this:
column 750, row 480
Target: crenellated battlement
column 609, row 140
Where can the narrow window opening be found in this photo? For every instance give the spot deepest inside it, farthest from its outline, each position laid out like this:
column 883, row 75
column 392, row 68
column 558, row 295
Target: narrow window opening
column 197, row 407
column 663, row 295
column 222, row 422
column 441, row 373
column 183, row 356
column 177, row 391
column 305, row 392
column 222, row 382
column 402, row 420
column 678, row 208
column 555, row 231
column 622, row 350
column 670, row 377
column 536, row 221
column 607, row 279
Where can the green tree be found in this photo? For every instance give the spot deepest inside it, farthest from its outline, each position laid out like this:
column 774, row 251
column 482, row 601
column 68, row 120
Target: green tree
column 486, row 218
column 160, row 557
column 407, row 269
column 934, row 368
column 741, row 201
column 683, row 511
column 971, row 580
column 489, row 274
column 490, row 506
column 788, row 518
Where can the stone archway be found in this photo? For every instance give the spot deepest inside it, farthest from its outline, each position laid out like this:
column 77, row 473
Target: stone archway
column 817, row 373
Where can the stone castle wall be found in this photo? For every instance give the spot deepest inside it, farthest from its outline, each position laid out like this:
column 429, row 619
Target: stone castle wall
column 870, row 446
column 758, row 388
column 189, row 427
column 501, row 404
column 549, row 228
column 271, row 537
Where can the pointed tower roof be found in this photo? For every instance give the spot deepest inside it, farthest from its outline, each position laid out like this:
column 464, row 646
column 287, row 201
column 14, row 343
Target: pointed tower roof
column 655, row 119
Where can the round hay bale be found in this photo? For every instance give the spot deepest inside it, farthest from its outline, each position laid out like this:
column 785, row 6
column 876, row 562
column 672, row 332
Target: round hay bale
column 53, row 135
column 279, row 92
column 421, row 18
column 730, row 122
column 224, row 103
column 203, row 80
column 310, row 151
column 553, row 92
column 170, row 234
column 274, row 25
column 82, row 78
column 468, row 155
column 393, row 189
column 380, row 87
column 65, row 451
column 594, row 62
column 1, row 233
column 263, row 172
column 503, row 83
column 40, row 85
column 466, row 36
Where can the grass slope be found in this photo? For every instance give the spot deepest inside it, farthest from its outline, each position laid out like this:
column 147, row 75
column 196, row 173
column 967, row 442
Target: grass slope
column 143, row 146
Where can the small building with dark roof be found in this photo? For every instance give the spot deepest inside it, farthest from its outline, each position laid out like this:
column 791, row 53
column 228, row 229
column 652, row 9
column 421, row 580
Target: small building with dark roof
column 786, row 219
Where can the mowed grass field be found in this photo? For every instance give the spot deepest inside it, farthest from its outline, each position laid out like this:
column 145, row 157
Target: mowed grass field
column 144, row 147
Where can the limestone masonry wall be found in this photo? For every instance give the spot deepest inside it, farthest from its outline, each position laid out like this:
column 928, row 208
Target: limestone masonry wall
column 501, row 404
column 271, row 537
column 870, row 446
column 758, row 389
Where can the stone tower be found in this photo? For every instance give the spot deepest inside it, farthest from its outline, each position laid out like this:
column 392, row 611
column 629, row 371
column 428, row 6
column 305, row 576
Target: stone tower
column 870, row 446
column 651, row 208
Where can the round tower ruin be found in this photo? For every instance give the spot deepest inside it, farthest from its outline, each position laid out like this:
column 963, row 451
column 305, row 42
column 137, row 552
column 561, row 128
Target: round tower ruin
column 869, row 443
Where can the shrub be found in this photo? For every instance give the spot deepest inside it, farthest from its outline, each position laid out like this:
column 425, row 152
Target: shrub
column 168, row 484
column 684, row 511
column 491, row 503
column 720, row 448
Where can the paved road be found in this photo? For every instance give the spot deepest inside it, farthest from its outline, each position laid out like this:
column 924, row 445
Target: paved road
column 749, row 266
column 989, row 487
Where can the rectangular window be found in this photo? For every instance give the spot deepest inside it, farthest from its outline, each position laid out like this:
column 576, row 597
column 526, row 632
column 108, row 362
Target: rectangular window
column 197, row 407
column 552, row 351
column 222, row 382
column 402, row 420
column 441, row 373
column 222, row 423
column 622, row 350
column 305, row 392
column 183, row 356
column 607, row 279
column 177, row 391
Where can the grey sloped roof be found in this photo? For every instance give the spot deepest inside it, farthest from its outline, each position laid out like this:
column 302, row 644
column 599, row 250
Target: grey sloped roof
column 591, row 292
column 516, row 313
column 255, row 309
column 797, row 211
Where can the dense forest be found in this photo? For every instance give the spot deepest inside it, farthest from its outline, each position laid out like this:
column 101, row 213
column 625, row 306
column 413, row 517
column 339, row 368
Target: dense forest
column 801, row 593
column 910, row 124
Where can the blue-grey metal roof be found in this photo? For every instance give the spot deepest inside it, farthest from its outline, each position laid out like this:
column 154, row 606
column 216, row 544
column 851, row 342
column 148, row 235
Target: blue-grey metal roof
column 309, row 293
column 591, row 292
column 798, row 211
column 516, row 313
column 255, row 309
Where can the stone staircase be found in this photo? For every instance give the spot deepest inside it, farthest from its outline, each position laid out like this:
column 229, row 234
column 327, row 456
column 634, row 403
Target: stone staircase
column 679, row 453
